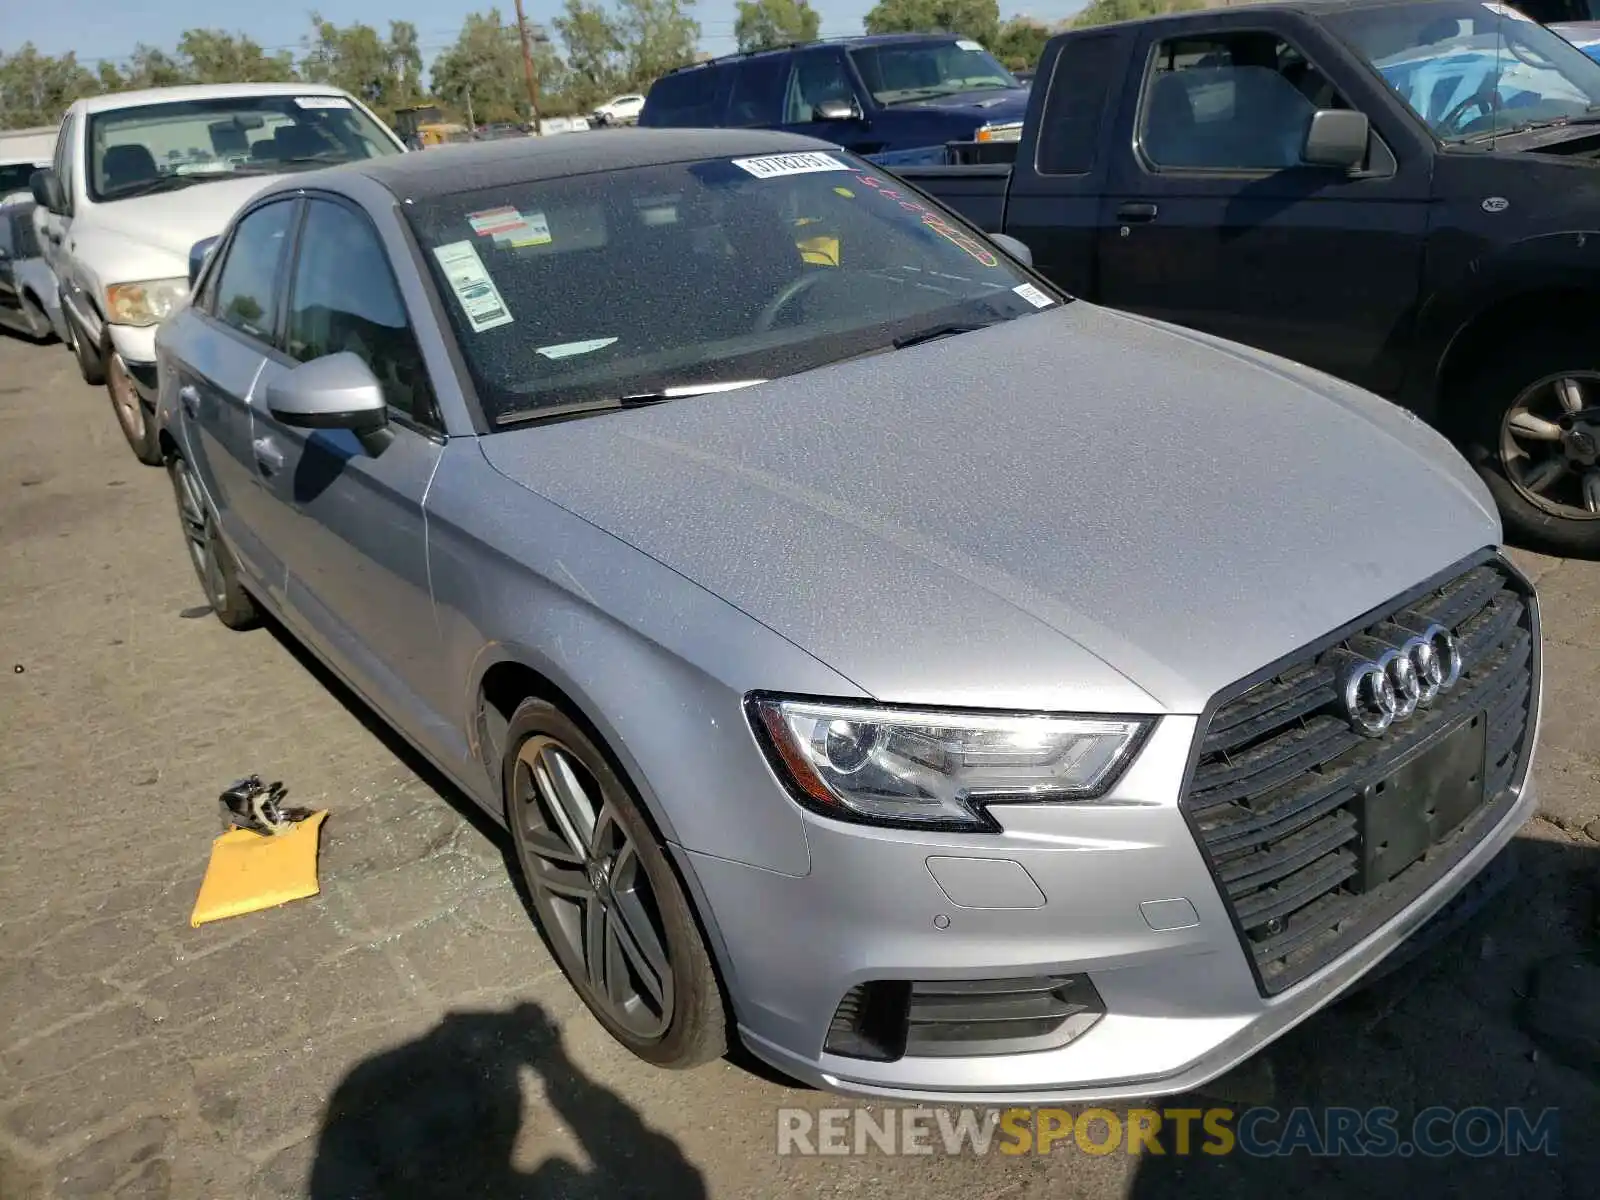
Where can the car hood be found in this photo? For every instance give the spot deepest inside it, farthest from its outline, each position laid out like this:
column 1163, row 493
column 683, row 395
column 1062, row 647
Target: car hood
column 988, row 105
column 1074, row 510
column 174, row 221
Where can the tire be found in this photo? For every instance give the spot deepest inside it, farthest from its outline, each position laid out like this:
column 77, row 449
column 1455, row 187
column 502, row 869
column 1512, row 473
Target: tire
column 138, row 422
column 213, row 562
column 90, row 365
column 619, row 852
column 1533, row 384
column 37, row 318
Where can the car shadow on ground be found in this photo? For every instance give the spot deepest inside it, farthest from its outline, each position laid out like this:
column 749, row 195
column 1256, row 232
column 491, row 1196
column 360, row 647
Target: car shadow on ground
column 441, row 1117
column 1503, row 1014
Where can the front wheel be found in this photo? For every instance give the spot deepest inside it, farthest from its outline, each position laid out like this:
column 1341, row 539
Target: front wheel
column 138, row 422
column 90, row 364
column 1533, row 432
column 605, row 895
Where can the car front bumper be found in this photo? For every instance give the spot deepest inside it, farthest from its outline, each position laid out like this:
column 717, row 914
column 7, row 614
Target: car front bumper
column 137, row 346
column 1181, row 1003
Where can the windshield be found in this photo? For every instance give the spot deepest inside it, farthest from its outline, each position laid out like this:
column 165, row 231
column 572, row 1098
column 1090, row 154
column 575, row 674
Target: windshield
column 1471, row 70
column 15, row 177
column 162, row 147
column 899, row 72
column 619, row 284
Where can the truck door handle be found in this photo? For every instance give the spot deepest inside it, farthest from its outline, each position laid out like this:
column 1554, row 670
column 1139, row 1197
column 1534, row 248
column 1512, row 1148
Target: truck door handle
column 1136, row 213
column 190, row 400
column 268, row 456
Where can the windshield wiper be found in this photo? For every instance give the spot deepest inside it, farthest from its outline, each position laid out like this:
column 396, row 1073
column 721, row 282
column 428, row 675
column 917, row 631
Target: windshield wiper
column 933, row 333
column 583, row 408
column 1589, row 116
column 162, row 183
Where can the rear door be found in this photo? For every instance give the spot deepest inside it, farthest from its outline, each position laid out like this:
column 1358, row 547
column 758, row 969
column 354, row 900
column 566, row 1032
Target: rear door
column 349, row 524
column 1211, row 221
column 218, row 348
column 1055, row 201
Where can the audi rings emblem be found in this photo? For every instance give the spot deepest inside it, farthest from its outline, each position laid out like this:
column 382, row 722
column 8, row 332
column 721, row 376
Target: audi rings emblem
column 1379, row 690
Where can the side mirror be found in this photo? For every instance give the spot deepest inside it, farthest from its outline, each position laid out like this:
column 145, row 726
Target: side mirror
column 338, row 391
column 46, row 189
column 837, row 110
column 1336, row 137
column 1012, row 246
column 197, row 257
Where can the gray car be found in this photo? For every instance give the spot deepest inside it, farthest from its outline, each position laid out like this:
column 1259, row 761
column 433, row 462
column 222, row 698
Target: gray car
column 943, row 687
column 29, row 300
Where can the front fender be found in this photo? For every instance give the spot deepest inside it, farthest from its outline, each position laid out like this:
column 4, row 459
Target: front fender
column 1485, row 278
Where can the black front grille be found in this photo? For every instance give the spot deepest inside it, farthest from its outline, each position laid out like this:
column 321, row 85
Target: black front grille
column 1276, row 792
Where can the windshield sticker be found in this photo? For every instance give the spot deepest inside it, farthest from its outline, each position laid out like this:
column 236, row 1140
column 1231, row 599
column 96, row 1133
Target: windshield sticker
column 479, row 298
column 965, row 44
column 1033, row 296
column 322, row 102
column 845, row 192
column 509, row 227
column 1505, row 10
column 568, row 349
column 774, row 166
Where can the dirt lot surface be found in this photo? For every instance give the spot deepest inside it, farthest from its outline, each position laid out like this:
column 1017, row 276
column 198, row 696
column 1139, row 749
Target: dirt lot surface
column 409, row 1021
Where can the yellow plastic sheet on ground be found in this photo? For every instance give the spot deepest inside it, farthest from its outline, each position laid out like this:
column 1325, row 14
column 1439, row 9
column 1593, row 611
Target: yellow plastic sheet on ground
column 251, row 871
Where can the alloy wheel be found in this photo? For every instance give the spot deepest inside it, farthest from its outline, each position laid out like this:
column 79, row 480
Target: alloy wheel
column 1550, row 444
column 198, row 533
column 591, row 888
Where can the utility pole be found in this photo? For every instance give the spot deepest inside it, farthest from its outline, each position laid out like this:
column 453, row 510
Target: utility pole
column 527, row 68
column 471, row 124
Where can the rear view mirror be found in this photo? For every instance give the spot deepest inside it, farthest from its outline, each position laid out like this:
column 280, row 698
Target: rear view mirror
column 197, row 257
column 837, row 110
column 1017, row 249
column 338, row 391
column 46, row 189
column 1336, row 137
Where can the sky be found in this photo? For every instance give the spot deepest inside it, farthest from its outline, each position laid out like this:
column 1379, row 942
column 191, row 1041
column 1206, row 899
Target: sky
column 109, row 29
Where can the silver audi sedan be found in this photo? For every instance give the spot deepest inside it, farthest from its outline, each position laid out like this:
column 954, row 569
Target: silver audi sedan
column 943, row 687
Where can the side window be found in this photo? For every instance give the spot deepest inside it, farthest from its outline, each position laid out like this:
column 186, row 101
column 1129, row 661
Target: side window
column 65, row 161
column 247, row 285
column 1079, row 86
column 345, row 299
column 689, row 98
column 819, row 76
column 8, row 245
column 758, row 85
column 1230, row 102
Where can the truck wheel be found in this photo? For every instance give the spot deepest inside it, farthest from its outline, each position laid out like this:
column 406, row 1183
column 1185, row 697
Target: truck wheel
column 1534, row 436
column 607, row 899
column 138, row 423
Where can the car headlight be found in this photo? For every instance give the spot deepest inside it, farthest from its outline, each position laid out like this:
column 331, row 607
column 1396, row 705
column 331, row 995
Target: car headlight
column 932, row 769
column 1009, row 132
column 148, row 302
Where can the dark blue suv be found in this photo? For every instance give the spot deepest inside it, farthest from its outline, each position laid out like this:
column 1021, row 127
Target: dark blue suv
column 894, row 98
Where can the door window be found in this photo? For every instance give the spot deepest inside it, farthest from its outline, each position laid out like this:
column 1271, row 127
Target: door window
column 758, row 85
column 818, row 77
column 247, row 285
column 345, row 299
column 1079, row 87
column 1230, row 102
column 64, row 161
column 692, row 97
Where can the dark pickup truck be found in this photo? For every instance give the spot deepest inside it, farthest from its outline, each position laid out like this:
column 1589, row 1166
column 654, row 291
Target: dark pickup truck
column 1402, row 193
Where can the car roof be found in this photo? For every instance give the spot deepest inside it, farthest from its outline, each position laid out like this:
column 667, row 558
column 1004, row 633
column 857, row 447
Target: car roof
column 203, row 91
column 851, row 42
column 468, row 166
column 1307, row 7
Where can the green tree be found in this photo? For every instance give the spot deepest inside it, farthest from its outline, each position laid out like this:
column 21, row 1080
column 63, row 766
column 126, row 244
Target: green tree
column 1020, row 42
column 763, row 24
column 976, row 19
column 595, row 62
column 1103, row 12
column 657, row 35
column 35, row 88
column 481, row 76
column 214, row 56
column 151, row 67
column 385, row 73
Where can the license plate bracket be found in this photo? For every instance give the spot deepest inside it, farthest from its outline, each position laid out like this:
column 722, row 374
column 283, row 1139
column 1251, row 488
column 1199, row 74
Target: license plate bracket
column 1418, row 803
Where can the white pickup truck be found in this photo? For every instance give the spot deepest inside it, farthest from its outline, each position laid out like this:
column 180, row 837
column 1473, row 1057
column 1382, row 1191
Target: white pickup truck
column 139, row 178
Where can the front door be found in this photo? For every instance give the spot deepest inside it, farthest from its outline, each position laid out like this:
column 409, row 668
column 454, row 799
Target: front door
column 822, row 77
column 1211, row 220
column 349, row 523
